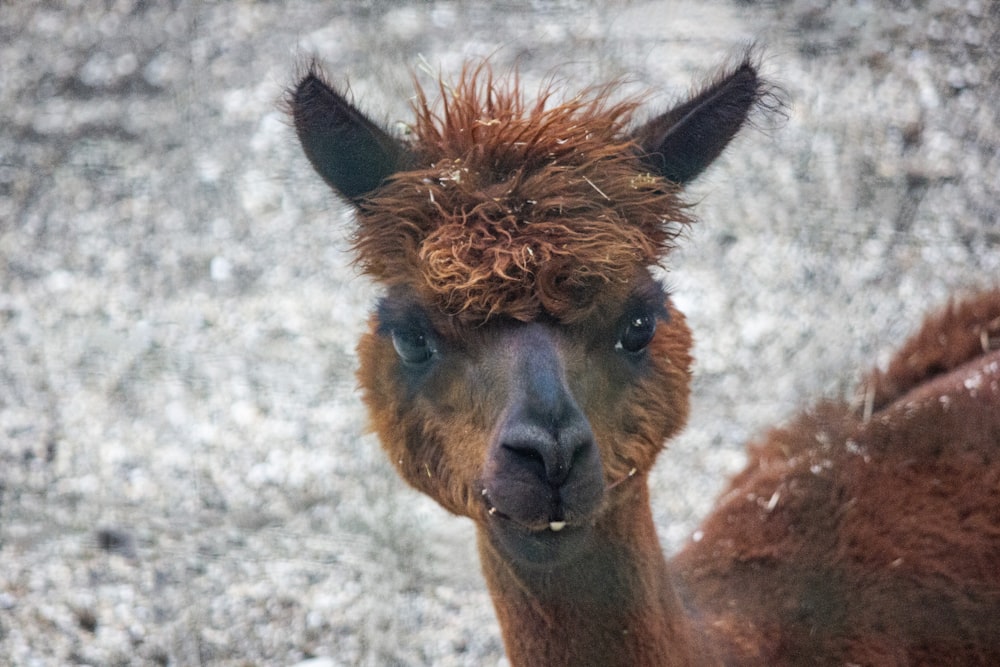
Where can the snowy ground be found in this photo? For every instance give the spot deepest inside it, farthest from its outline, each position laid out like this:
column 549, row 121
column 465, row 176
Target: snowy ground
column 183, row 478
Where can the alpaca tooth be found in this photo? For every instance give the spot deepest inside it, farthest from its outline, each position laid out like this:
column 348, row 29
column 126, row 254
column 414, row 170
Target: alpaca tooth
column 556, row 526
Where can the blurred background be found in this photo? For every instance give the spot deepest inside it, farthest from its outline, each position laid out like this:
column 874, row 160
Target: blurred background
column 184, row 474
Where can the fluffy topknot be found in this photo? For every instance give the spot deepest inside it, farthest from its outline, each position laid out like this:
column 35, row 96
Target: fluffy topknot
column 518, row 209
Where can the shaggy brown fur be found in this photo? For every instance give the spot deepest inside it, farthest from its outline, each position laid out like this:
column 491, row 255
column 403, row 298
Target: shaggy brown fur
column 517, row 208
column 874, row 539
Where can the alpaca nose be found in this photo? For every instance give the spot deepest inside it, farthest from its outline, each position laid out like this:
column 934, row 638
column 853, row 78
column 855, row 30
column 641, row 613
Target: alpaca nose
column 547, row 433
column 545, row 461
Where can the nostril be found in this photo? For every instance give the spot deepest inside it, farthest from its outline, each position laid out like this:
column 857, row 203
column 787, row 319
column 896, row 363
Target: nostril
column 575, row 454
column 581, row 451
column 528, row 456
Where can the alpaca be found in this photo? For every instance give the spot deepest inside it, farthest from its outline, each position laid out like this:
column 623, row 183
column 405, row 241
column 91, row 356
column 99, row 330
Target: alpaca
column 524, row 369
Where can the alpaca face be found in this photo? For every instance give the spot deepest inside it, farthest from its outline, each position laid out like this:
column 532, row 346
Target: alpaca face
column 528, row 428
column 523, row 364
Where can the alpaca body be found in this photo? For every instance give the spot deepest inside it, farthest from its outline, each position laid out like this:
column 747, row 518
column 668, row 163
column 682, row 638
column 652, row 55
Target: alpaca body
column 524, row 369
column 868, row 539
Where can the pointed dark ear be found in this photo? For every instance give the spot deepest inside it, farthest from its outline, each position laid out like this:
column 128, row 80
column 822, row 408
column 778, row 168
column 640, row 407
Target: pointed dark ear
column 350, row 152
column 682, row 142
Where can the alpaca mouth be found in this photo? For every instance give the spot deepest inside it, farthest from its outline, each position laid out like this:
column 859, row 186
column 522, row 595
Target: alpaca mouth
column 538, row 544
column 554, row 525
column 557, row 521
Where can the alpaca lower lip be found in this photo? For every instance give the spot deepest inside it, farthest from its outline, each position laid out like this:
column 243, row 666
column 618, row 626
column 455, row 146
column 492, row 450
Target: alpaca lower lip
column 534, row 543
column 539, row 546
column 553, row 526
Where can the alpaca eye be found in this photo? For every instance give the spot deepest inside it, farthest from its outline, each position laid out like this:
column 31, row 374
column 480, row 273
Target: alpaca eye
column 637, row 333
column 412, row 345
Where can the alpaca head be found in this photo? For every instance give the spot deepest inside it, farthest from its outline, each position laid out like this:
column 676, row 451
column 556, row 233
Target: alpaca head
column 523, row 363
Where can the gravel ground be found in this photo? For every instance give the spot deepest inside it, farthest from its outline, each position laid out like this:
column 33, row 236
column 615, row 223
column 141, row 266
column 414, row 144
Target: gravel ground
column 184, row 477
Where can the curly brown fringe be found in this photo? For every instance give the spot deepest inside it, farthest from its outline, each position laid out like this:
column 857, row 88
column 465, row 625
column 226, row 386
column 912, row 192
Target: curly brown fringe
column 518, row 209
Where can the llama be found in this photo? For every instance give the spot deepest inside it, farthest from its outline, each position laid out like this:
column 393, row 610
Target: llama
column 524, row 369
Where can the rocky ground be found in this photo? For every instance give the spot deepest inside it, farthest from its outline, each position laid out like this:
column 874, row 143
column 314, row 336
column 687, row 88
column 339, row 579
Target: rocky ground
column 183, row 474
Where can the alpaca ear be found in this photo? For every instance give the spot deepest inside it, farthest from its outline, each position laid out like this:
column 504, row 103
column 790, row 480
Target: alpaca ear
column 352, row 154
column 682, row 142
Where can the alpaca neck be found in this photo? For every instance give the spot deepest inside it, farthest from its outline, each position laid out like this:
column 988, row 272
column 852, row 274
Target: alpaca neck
column 614, row 605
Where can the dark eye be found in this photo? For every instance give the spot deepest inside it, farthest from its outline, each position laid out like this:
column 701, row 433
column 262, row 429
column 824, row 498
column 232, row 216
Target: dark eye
column 412, row 345
column 637, row 332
